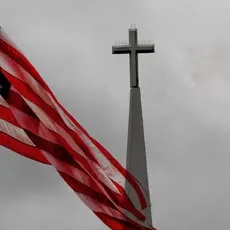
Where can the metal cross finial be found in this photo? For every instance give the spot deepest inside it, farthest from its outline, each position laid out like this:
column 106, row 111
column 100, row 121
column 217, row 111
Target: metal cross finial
column 133, row 49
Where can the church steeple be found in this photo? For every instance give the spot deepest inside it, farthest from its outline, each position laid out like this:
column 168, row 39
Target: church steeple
column 136, row 162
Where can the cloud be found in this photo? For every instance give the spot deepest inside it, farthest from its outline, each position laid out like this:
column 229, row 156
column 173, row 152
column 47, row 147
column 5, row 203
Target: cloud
column 185, row 94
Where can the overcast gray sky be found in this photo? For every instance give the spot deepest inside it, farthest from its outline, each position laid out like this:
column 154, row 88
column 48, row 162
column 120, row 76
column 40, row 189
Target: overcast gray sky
column 186, row 105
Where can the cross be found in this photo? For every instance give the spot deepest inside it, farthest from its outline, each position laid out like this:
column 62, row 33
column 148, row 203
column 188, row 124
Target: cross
column 133, row 49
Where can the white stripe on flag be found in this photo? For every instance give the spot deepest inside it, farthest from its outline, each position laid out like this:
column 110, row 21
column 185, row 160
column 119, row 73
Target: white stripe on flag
column 3, row 102
column 15, row 132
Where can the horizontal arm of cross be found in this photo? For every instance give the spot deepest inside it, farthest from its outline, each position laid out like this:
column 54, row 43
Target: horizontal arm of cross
column 125, row 49
column 145, row 49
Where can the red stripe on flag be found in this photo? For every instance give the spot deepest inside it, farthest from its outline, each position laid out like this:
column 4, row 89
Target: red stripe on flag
column 7, row 115
column 17, row 101
column 22, row 149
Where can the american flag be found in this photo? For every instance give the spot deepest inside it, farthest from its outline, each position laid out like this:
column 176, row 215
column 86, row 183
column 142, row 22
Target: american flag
column 34, row 124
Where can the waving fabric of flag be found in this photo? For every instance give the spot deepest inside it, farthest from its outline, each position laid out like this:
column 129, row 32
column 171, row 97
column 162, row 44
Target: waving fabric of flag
column 35, row 125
